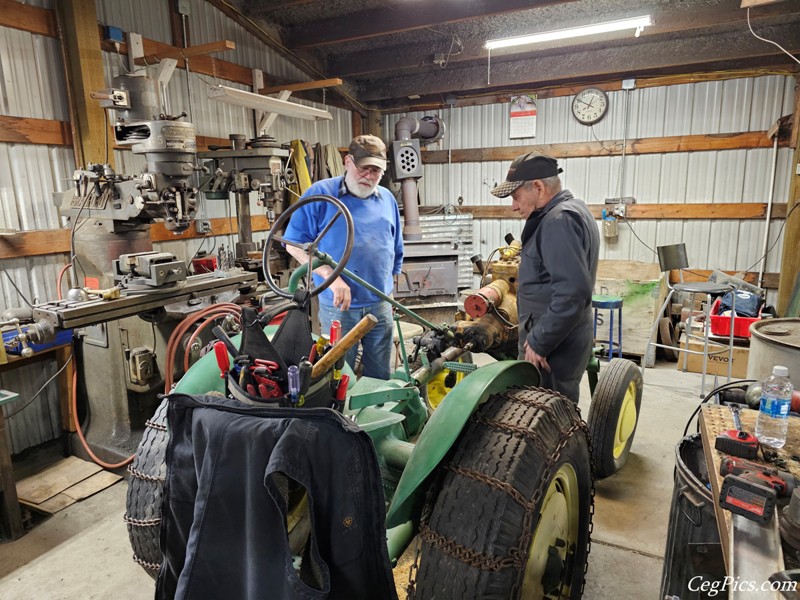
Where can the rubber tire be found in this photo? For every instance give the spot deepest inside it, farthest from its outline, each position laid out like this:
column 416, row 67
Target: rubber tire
column 666, row 336
column 604, row 413
column 145, row 492
column 146, row 496
column 487, row 520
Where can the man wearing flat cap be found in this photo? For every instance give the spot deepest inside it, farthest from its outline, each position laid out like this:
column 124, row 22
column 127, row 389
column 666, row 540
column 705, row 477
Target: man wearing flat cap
column 560, row 247
column 377, row 253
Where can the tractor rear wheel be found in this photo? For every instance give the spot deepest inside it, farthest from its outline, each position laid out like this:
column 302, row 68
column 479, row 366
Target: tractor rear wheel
column 614, row 414
column 513, row 512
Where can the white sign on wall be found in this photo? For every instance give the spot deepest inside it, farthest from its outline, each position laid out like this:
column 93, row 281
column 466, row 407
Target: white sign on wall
column 523, row 116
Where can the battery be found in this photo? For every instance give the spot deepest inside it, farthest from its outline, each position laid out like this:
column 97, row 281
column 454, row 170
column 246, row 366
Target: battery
column 747, row 498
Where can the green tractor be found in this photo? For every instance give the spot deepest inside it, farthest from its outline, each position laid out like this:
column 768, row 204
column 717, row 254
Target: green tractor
column 496, row 481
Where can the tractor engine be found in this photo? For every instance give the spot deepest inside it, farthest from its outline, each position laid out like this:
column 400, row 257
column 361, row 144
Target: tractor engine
column 489, row 321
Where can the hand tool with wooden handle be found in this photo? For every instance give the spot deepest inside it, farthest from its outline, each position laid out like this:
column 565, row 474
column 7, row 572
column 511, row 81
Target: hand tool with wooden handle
column 324, row 364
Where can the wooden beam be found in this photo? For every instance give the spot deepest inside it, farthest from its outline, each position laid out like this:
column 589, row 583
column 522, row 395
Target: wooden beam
column 688, row 211
column 78, row 27
column 436, row 102
column 42, row 242
column 192, row 51
column 25, row 17
column 790, row 261
column 678, row 143
column 18, row 130
column 380, row 22
column 300, row 87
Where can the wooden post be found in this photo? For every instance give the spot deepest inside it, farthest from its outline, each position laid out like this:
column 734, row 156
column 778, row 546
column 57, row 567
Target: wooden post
column 357, row 123
column 65, row 387
column 790, row 262
column 84, row 59
column 375, row 123
column 176, row 25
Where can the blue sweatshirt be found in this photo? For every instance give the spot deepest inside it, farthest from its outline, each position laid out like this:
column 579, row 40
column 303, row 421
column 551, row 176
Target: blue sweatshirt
column 378, row 245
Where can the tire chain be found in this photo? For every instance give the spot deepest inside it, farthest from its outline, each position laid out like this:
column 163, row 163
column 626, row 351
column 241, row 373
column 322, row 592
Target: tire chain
column 517, row 557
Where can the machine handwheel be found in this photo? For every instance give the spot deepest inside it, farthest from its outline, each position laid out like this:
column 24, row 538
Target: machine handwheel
column 614, row 414
column 520, row 476
column 311, row 247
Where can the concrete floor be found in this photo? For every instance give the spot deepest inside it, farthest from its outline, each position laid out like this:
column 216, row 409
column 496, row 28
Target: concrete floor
column 83, row 552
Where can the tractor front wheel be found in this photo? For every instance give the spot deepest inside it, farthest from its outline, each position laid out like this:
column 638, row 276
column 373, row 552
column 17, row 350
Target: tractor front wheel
column 614, row 414
column 513, row 512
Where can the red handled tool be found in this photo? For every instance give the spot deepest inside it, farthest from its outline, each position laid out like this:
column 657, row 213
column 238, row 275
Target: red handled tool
column 221, row 352
column 341, row 393
column 782, row 482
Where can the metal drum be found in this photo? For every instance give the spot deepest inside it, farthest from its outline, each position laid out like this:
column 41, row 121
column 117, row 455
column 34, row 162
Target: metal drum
column 693, row 544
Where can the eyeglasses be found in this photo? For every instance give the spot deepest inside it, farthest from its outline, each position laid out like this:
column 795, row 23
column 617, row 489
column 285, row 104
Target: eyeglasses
column 371, row 169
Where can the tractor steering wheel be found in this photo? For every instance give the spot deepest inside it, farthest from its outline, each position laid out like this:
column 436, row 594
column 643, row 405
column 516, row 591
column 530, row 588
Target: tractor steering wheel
column 309, row 248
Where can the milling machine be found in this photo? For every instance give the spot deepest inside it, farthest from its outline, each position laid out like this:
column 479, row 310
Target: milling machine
column 127, row 299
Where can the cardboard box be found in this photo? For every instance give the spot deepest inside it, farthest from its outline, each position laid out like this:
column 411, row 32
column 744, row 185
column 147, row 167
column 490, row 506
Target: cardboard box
column 717, row 362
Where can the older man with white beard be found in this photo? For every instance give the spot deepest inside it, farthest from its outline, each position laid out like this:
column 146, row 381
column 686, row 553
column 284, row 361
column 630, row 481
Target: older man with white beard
column 377, row 249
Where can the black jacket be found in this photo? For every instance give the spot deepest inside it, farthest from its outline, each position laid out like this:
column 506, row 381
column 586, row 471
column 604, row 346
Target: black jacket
column 560, row 248
column 223, row 532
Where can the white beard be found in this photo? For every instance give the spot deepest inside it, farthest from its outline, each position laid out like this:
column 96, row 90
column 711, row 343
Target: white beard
column 359, row 190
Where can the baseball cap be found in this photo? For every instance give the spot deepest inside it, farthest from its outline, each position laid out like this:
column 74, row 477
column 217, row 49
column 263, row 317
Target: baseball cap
column 368, row 150
column 526, row 168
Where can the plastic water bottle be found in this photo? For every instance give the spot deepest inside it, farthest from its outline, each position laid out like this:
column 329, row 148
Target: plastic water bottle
column 773, row 412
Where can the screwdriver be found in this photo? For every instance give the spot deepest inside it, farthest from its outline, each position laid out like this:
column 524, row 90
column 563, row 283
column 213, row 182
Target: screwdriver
column 222, row 358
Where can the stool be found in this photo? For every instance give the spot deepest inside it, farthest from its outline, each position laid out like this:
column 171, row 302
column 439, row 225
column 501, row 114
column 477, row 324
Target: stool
column 10, row 516
column 609, row 303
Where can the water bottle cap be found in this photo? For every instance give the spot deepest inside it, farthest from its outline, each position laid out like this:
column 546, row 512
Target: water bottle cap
column 780, row 371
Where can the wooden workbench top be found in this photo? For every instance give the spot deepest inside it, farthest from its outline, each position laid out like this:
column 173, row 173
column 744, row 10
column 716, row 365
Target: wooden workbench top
column 714, row 419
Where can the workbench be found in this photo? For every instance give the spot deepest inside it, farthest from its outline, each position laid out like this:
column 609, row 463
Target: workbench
column 751, row 551
column 10, row 516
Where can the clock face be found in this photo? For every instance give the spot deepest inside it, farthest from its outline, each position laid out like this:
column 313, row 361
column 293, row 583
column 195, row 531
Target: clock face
column 590, row 105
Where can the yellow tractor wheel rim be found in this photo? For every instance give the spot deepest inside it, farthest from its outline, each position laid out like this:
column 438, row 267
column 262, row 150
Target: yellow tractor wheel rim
column 437, row 389
column 555, row 536
column 627, row 420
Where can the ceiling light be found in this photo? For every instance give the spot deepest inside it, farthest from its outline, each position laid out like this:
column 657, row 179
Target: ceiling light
column 637, row 23
column 266, row 103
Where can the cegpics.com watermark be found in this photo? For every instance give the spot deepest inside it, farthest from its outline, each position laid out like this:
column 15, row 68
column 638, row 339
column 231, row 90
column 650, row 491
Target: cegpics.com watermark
column 734, row 584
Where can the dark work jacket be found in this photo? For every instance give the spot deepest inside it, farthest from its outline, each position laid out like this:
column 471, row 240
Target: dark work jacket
column 223, row 532
column 560, row 248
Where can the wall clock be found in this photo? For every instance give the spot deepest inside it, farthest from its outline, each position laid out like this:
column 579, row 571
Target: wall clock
column 590, row 105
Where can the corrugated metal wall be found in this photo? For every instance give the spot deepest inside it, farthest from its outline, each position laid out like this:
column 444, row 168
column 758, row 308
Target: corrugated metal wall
column 736, row 105
column 31, row 78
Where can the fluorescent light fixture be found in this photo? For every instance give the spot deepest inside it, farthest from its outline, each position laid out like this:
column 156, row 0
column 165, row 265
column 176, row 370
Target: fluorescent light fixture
column 266, row 103
column 637, row 23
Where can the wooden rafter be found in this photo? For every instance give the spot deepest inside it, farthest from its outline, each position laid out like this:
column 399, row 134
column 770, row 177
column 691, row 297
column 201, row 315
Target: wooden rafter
column 191, row 51
column 303, row 86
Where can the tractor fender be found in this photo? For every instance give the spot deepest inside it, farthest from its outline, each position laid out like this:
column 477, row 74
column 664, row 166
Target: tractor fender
column 445, row 426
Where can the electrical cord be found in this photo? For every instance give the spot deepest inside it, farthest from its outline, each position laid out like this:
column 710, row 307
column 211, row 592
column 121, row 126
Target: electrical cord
column 777, row 237
column 784, row 50
column 21, row 295
column 724, row 386
column 79, row 431
column 41, row 389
